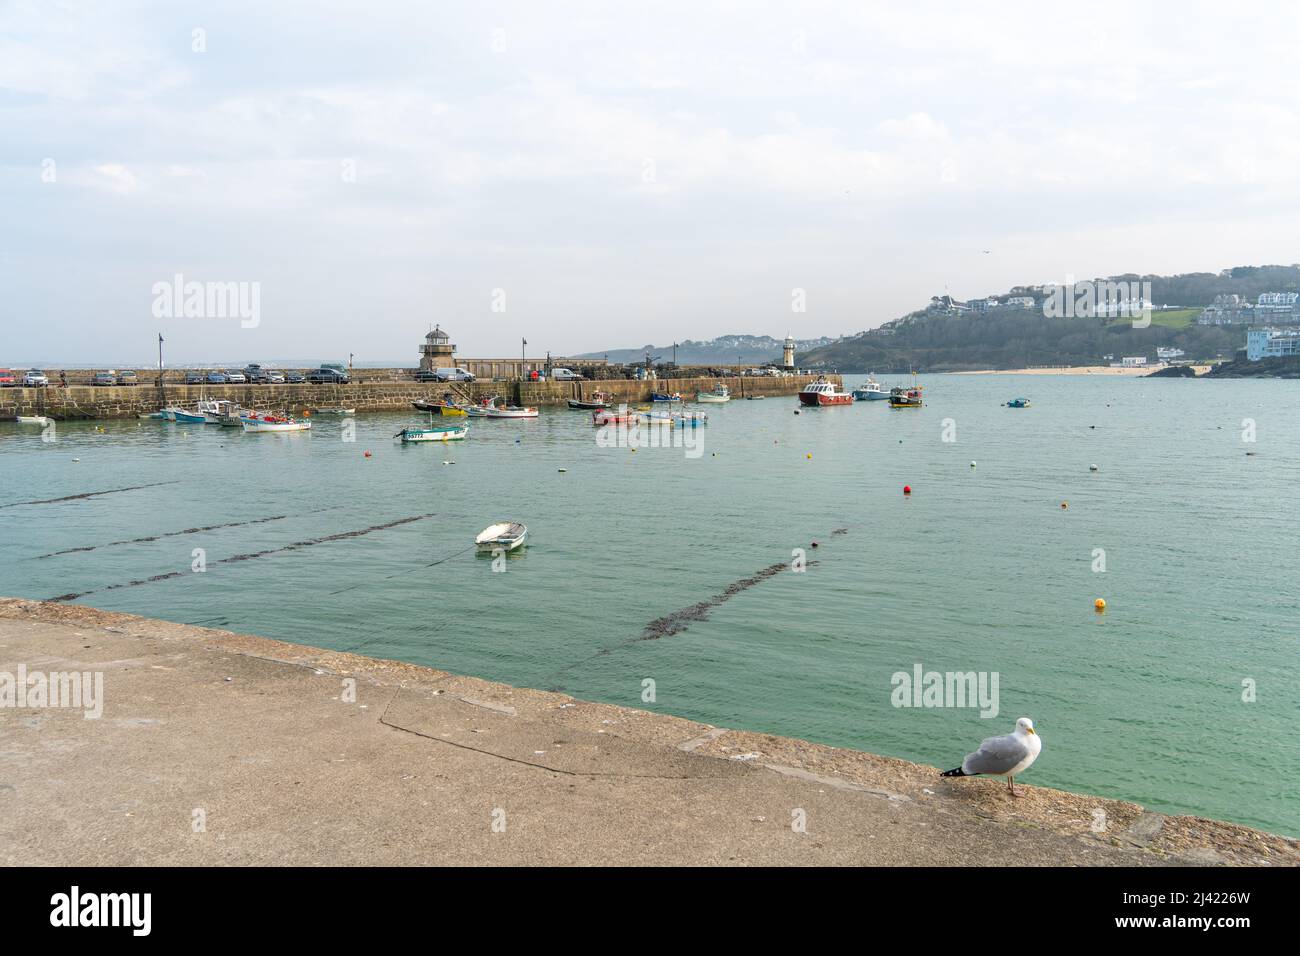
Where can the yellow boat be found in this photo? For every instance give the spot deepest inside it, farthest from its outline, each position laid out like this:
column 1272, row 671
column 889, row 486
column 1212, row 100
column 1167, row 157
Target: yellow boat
column 440, row 408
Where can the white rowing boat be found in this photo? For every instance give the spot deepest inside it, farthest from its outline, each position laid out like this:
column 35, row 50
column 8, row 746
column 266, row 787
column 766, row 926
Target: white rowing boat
column 505, row 536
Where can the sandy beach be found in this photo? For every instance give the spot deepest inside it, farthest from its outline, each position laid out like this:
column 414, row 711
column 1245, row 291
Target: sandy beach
column 1080, row 370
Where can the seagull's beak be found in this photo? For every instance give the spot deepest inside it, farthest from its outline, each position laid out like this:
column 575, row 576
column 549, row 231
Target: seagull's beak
column 1029, row 730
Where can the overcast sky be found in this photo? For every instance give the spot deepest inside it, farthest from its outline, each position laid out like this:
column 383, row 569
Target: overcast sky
column 622, row 173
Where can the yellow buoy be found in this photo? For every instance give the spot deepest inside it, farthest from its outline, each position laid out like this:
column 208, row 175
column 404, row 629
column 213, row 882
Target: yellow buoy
column 1099, row 604
column 810, row 456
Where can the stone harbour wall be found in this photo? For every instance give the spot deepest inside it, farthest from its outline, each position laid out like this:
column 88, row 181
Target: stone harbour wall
column 128, row 401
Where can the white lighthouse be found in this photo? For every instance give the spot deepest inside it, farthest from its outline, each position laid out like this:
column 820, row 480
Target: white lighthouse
column 787, row 355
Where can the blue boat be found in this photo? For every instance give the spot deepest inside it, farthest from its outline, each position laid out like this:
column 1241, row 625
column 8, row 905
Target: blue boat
column 660, row 397
column 1018, row 403
column 189, row 418
column 870, row 391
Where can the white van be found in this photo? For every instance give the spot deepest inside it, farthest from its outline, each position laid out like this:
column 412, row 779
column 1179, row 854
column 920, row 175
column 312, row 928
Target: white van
column 453, row 375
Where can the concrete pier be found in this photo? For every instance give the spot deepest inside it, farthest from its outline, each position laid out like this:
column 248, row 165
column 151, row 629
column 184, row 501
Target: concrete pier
column 216, row 748
column 367, row 394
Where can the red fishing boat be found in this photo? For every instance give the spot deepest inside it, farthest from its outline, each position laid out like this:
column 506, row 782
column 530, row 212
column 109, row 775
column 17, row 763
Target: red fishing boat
column 823, row 392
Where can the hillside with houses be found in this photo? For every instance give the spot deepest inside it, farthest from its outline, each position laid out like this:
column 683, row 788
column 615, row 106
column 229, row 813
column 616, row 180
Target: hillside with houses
column 1195, row 317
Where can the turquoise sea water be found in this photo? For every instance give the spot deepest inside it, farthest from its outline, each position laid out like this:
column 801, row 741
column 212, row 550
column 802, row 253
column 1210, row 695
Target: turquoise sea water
column 979, row 570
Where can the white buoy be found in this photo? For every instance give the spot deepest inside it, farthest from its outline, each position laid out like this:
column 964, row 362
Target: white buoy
column 972, row 464
column 1092, row 467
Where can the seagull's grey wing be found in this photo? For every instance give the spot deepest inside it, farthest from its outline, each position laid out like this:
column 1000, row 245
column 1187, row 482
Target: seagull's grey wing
column 996, row 755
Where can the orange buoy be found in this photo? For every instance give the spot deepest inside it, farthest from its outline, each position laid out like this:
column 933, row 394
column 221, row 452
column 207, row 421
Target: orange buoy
column 1099, row 604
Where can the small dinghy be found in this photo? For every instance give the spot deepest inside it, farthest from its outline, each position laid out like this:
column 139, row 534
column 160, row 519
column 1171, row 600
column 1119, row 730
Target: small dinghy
column 505, row 535
column 34, row 420
column 1018, row 403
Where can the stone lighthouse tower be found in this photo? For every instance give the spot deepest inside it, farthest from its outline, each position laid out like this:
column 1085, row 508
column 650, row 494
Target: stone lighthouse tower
column 787, row 355
column 437, row 351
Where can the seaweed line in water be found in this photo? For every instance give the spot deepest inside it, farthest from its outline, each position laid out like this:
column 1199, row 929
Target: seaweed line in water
column 297, row 545
column 88, row 494
column 681, row 619
column 166, row 534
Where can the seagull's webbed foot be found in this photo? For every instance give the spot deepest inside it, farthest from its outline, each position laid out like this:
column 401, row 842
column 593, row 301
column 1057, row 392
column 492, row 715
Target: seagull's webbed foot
column 1011, row 785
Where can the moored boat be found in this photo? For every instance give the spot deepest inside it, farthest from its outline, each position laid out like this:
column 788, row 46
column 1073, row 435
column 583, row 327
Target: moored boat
column 232, row 415
column 189, row 418
column 870, row 391
column 719, row 393
column 824, row 392
column 664, row 397
column 488, row 408
column 511, row 411
column 34, row 420
column 273, row 423
column 611, row 416
column 334, row 411
column 504, row 536
column 447, row 408
column 1018, row 403
column 597, row 400
column 436, row 433
column 905, row 397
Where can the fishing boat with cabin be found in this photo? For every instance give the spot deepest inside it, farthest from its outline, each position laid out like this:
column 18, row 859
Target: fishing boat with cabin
column 870, row 391
column 906, row 397
column 597, row 400
column 718, row 394
column 824, row 392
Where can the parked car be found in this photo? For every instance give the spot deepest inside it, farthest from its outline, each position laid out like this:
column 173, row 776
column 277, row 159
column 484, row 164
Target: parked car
column 294, row 377
column 195, row 377
column 327, row 376
column 7, row 378
column 35, row 378
column 235, row 378
column 255, row 374
column 426, row 375
column 453, row 375
column 565, row 375
column 128, row 377
column 104, row 378
column 218, row 378
column 275, row 378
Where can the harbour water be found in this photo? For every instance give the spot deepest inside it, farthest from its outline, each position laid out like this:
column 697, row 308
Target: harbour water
column 979, row 569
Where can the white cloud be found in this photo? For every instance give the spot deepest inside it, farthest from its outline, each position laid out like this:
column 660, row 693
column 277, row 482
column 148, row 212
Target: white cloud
column 682, row 161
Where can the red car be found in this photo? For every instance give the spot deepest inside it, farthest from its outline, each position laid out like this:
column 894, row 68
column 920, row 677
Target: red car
column 7, row 378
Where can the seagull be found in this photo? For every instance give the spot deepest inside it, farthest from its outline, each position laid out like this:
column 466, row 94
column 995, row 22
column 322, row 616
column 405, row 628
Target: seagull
column 1005, row 756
